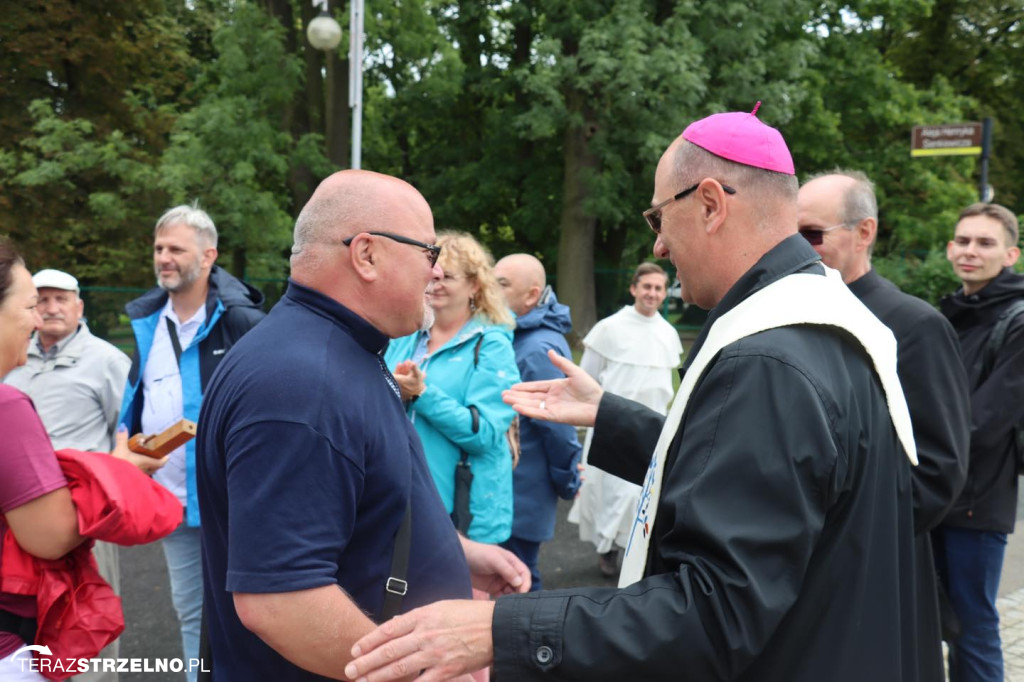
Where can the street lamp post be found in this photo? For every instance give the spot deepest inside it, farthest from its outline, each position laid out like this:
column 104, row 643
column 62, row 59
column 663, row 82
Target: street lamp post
column 355, row 79
column 324, row 33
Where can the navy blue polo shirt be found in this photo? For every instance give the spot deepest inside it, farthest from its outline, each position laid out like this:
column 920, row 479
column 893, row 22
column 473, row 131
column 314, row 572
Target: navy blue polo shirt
column 305, row 463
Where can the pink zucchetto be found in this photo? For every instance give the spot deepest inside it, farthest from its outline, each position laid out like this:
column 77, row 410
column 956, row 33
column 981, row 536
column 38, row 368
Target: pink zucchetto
column 742, row 138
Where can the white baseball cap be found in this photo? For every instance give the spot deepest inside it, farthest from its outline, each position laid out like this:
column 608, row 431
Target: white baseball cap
column 55, row 279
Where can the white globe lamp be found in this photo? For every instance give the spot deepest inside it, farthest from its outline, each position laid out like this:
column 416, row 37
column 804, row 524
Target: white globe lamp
column 324, row 33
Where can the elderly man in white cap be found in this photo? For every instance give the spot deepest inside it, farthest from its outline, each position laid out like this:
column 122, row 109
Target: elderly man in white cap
column 76, row 381
column 774, row 537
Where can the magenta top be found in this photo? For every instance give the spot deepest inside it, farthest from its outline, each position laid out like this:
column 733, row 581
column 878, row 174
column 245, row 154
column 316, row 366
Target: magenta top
column 28, row 469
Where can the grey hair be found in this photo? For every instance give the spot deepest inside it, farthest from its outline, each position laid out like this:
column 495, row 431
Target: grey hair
column 859, row 202
column 692, row 164
column 194, row 217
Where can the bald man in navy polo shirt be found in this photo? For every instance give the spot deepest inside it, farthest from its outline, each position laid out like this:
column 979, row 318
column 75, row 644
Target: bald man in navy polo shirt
column 307, row 463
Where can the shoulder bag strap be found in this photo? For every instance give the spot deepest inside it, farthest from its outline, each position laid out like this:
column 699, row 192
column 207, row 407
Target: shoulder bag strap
column 173, row 333
column 396, row 585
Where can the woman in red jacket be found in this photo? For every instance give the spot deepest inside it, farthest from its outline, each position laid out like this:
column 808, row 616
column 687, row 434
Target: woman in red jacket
column 34, row 497
column 35, row 503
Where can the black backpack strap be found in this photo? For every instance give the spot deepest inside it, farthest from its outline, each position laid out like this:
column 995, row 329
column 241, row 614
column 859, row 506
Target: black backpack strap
column 460, row 515
column 396, row 585
column 997, row 337
column 995, row 342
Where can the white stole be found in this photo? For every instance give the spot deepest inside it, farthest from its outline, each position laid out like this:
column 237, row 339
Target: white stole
column 792, row 300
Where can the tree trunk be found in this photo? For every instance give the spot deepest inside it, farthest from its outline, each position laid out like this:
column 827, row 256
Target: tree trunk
column 576, row 243
column 304, row 114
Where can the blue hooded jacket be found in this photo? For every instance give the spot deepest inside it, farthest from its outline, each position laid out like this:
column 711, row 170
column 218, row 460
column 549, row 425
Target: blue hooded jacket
column 232, row 308
column 456, row 379
column 550, row 452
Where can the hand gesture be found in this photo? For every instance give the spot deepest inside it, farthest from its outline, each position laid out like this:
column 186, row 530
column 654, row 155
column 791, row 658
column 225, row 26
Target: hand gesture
column 443, row 640
column 494, row 569
column 572, row 400
column 411, row 379
column 148, row 465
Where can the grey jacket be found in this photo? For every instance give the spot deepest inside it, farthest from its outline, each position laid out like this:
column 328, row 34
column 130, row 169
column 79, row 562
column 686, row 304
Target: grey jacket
column 78, row 392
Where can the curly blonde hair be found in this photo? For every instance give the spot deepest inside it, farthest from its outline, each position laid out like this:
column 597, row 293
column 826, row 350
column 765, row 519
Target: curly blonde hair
column 461, row 253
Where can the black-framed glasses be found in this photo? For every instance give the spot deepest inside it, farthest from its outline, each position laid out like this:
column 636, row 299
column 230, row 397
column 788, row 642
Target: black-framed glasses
column 653, row 214
column 816, row 236
column 433, row 250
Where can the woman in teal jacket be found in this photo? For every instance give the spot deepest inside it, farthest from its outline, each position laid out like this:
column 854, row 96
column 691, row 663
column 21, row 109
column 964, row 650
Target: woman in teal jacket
column 465, row 360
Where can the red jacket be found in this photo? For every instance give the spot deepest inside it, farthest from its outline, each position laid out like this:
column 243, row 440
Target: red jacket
column 77, row 611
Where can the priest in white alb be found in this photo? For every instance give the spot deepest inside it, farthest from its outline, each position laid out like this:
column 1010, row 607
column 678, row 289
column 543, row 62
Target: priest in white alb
column 632, row 354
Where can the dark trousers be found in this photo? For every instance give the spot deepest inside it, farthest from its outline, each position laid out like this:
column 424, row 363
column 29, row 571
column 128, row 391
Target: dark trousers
column 529, row 553
column 970, row 563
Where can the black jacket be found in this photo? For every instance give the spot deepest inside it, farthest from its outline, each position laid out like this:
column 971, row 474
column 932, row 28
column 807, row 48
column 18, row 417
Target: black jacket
column 935, row 385
column 989, row 498
column 783, row 545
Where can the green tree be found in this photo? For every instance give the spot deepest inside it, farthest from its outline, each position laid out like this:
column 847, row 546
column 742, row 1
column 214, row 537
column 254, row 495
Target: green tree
column 975, row 47
column 230, row 150
column 859, row 113
column 88, row 94
column 68, row 164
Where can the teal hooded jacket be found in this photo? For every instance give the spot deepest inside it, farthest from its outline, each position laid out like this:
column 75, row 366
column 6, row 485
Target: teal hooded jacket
column 456, row 378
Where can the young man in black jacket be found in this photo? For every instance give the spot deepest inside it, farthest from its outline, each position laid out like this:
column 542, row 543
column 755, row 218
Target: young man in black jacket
column 838, row 215
column 971, row 542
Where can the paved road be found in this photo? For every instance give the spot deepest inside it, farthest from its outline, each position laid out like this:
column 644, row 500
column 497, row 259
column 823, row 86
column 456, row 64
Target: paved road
column 151, row 630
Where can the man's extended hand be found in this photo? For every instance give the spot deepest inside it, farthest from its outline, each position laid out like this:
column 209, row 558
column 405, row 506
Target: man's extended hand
column 444, row 640
column 572, row 400
column 495, row 570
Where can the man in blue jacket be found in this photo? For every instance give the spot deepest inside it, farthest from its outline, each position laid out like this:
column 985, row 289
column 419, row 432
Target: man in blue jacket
column 183, row 328
column 548, row 467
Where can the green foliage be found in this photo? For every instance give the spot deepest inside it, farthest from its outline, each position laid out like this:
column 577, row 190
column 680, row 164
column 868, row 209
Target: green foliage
column 860, row 117
column 106, row 176
column 529, row 123
column 88, row 94
column 975, row 47
column 929, row 277
column 229, row 151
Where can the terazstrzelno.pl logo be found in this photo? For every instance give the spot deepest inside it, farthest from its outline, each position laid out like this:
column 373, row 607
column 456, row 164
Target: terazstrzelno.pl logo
column 46, row 663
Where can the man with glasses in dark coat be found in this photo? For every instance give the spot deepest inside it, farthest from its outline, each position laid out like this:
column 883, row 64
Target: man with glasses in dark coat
column 838, row 215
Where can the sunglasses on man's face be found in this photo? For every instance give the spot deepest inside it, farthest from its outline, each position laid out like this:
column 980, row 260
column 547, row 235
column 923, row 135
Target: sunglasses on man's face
column 815, row 236
column 653, row 214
